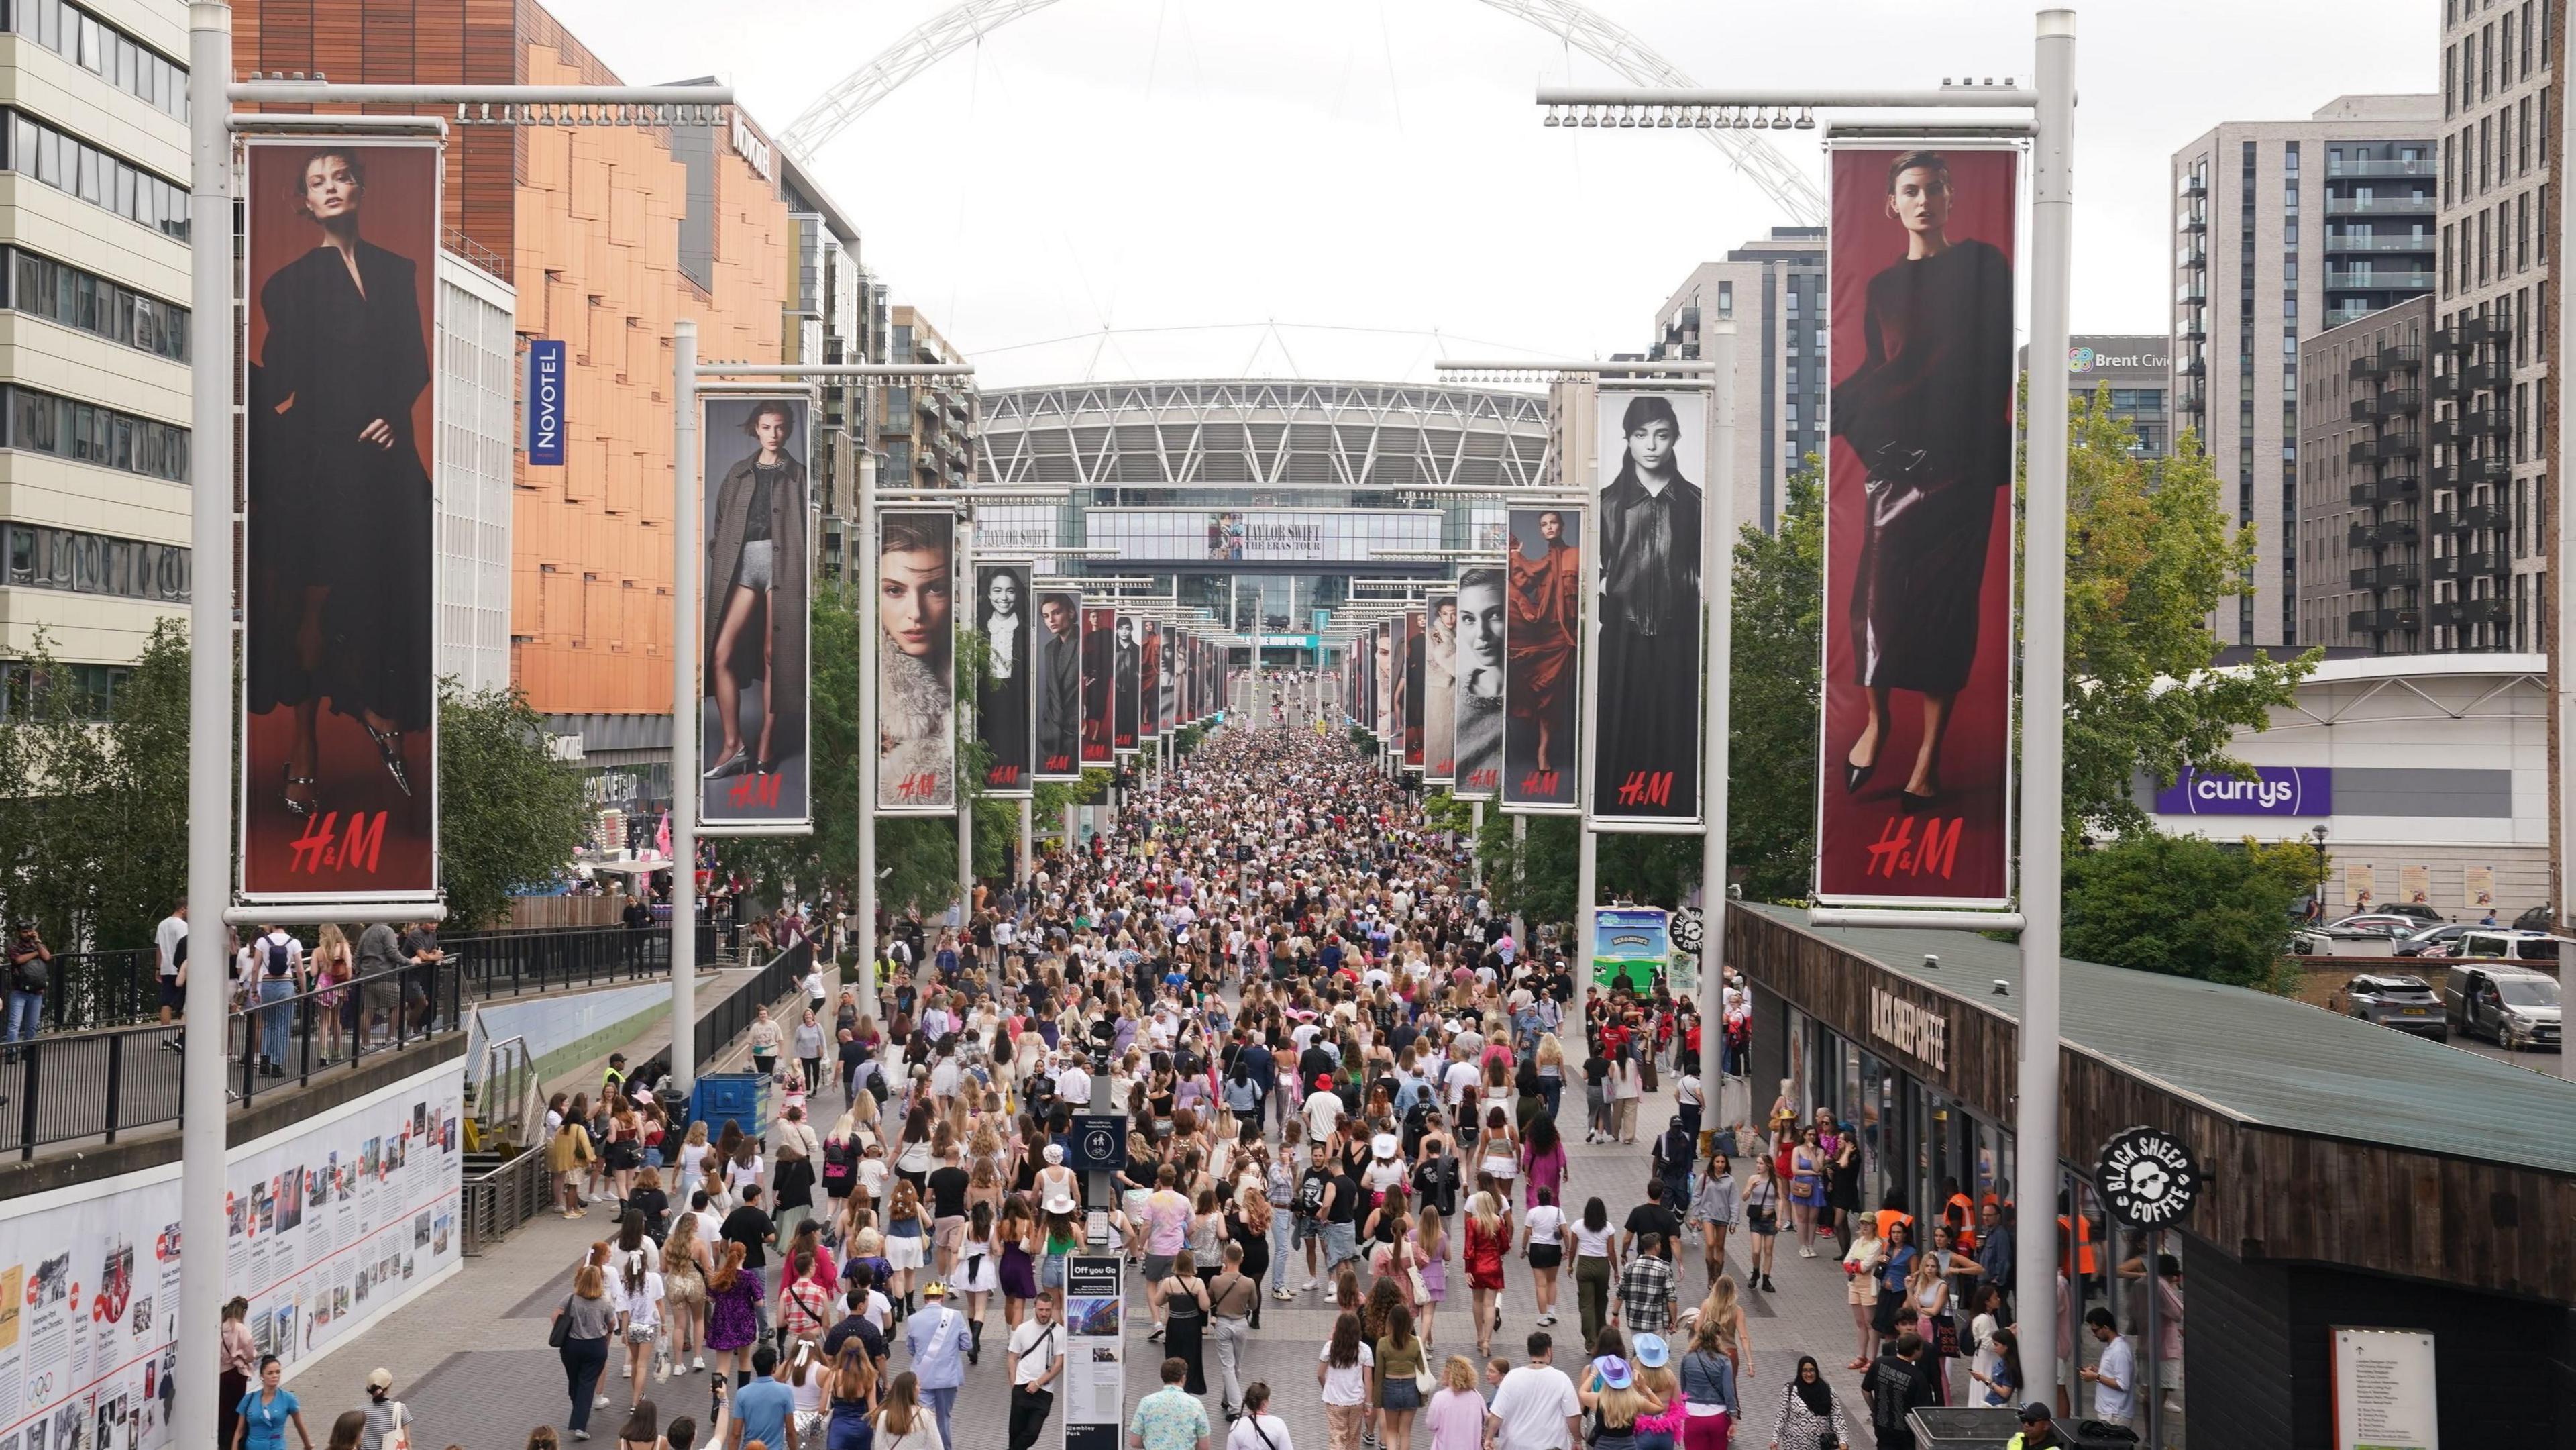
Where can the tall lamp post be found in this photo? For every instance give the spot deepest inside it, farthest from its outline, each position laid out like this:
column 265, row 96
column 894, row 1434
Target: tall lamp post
column 2318, row 831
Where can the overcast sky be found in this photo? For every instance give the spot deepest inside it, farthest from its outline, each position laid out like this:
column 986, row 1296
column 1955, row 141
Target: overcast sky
column 1162, row 181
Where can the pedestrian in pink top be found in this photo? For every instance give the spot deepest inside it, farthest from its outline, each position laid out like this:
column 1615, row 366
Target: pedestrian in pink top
column 1542, row 1160
column 1457, row 1412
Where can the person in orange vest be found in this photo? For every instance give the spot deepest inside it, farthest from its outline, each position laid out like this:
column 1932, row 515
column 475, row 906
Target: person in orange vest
column 1960, row 1213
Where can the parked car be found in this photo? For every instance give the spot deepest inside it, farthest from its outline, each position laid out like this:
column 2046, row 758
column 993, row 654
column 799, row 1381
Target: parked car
column 2502, row 944
column 2376, row 923
column 2405, row 1003
column 2416, row 909
column 2516, row 1006
column 2432, row 941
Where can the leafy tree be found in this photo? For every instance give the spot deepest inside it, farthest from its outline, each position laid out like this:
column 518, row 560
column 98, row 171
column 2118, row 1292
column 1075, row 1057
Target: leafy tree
column 139, row 850
column 510, row 816
column 1775, row 694
column 2187, row 906
column 830, row 856
column 2148, row 561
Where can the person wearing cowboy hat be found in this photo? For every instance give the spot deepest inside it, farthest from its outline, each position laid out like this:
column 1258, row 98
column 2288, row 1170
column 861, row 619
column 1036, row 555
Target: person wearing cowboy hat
column 938, row 1338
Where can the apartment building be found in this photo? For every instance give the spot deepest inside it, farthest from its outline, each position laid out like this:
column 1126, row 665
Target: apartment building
column 925, row 427
column 2363, row 564
column 1773, row 289
column 2137, row 370
column 2488, row 369
column 95, row 338
column 2283, row 229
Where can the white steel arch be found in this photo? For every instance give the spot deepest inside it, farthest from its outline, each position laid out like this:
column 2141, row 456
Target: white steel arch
column 926, row 44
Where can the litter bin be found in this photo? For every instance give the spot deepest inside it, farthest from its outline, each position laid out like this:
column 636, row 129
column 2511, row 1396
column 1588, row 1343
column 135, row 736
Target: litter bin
column 1950, row 1428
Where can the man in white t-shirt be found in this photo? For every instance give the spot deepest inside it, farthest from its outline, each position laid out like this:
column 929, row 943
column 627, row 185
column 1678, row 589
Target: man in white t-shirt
column 1037, row 1358
column 1323, row 1108
column 166, row 941
column 1534, row 1407
column 2115, row 1389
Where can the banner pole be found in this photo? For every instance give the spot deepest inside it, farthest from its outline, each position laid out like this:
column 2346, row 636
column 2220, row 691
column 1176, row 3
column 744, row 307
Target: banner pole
column 868, row 744
column 685, row 625
column 2043, row 689
column 965, row 575
column 202, row 1124
column 1717, row 567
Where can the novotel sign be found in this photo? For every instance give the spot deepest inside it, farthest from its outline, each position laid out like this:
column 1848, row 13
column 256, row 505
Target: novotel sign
column 545, row 412
column 2275, row 790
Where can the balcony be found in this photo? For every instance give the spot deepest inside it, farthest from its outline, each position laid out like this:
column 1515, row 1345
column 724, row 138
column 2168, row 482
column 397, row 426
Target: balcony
column 2362, row 449
column 2496, row 418
column 2402, row 357
column 926, row 403
column 2484, row 516
column 2361, row 410
column 2195, row 367
column 2382, row 534
column 2381, row 621
column 2398, row 402
column 2379, row 279
column 2194, row 331
column 2387, row 576
column 2484, row 562
column 2498, row 610
column 2401, row 445
column 2484, row 470
column 2192, row 259
column 2442, row 430
column 2379, row 166
column 2447, row 611
column 2192, row 186
column 2343, row 312
column 2358, row 242
column 2374, row 365
column 2447, row 339
column 895, row 424
column 2445, row 385
column 2475, row 330
column 2386, row 490
column 2423, row 205
column 2481, row 375
column 2192, row 291
column 2196, row 222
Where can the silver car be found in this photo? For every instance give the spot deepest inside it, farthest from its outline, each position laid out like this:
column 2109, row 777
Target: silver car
column 2408, row 1004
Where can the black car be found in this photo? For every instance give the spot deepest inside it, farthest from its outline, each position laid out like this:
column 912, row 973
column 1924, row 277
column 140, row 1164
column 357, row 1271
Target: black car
column 2406, row 1003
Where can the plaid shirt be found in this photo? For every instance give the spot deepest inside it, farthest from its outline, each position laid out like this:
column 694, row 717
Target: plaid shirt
column 1646, row 1294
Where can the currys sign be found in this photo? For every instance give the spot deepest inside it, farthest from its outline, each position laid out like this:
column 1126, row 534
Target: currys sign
column 2276, row 790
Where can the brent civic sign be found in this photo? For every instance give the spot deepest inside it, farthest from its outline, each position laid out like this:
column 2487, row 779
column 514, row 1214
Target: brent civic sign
column 2276, row 790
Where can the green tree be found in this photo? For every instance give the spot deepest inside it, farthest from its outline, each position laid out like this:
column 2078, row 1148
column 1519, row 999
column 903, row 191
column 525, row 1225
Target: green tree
column 510, row 816
column 140, row 863
column 1774, row 695
column 2187, row 906
column 2148, row 561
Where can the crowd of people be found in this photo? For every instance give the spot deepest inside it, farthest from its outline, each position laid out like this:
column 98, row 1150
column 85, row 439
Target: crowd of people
column 1342, row 1075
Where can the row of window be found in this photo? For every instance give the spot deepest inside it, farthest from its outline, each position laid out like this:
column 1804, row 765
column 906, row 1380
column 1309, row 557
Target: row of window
column 93, row 687
column 49, row 558
column 2500, row 149
column 46, row 288
column 101, row 178
column 43, row 423
column 2496, row 54
column 2496, row 241
column 105, row 51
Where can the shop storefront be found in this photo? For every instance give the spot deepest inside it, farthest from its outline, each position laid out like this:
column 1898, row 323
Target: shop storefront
column 2355, row 1178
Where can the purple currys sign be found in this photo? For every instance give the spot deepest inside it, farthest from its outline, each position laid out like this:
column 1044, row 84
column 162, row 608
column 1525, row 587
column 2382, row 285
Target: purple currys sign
column 2277, row 790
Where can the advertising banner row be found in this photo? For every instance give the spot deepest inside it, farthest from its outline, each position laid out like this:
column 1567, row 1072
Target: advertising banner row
column 325, row 1230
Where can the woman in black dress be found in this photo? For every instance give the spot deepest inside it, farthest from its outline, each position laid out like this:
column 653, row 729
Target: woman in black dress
column 1928, row 411
column 1650, row 656
column 1002, row 704
column 340, row 499
column 755, row 593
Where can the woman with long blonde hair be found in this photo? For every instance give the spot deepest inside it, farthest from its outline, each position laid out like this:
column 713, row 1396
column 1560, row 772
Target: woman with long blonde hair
column 333, row 967
column 686, row 1262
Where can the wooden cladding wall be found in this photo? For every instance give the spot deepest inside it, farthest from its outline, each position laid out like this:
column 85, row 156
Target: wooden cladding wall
column 2272, row 1194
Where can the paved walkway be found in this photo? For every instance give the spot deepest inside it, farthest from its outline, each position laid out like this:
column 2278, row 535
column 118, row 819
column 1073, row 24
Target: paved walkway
column 470, row 1356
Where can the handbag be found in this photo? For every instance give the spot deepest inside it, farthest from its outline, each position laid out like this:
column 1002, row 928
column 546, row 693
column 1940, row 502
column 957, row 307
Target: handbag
column 1945, row 1333
column 400, row 1439
column 1425, row 1382
column 561, row 1332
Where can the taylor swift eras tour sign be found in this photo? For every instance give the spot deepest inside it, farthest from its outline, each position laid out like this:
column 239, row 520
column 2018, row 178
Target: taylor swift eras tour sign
column 1915, row 803
column 1652, row 451
column 1543, row 642
column 1476, row 697
column 339, row 761
column 754, row 679
column 916, row 662
column 1099, row 676
column 1055, row 681
column 1003, row 698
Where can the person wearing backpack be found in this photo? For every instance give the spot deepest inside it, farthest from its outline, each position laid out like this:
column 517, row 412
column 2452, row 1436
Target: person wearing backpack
column 1897, row 1385
column 279, row 962
column 30, row 973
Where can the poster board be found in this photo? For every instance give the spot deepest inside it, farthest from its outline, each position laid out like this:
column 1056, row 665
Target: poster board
column 2384, row 1390
column 1095, row 1379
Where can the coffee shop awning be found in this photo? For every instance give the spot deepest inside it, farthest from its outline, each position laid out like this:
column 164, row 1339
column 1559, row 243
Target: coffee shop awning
column 2326, row 1139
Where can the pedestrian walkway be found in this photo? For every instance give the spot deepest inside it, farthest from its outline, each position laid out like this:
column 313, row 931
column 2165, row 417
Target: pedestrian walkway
column 470, row 1357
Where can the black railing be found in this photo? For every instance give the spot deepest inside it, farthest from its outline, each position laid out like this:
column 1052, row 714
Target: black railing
column 733, row 1016
column 95, row 990
column 58, row 1089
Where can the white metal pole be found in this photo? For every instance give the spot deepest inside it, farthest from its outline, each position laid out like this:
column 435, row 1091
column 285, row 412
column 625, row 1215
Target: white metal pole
column 685, row 628
column 1028, row 842
column 963, row 588
column 193, row 1407
column 1475, row 856
column 1587, row 877
column 867, row 828
column 1717, row 569
column 2043, row 691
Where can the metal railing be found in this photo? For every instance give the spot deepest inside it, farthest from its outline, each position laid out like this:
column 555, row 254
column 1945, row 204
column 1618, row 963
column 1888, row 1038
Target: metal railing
column 121, row 988
column 99, row 1084
column 502, row 1193
column 733, row 1016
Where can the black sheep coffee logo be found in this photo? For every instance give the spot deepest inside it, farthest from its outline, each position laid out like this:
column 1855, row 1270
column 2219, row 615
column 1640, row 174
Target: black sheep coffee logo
column 2148, row 1178
column 1688, row 930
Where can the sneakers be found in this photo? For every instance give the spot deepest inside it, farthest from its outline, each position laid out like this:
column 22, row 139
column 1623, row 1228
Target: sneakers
column 1283, row 1295
column 1806, row 1253
column 1313, row 1284
column 581, row 1434
column 600, row 1403
column 626, row 1369
column 698, row 1362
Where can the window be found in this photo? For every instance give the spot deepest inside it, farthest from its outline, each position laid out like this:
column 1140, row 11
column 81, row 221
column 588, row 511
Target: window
column 1726, row 299
column 70, row 164
column 2522, row 138
column 95, row 45
column 93, row 686
column 47, row 558
column 44, row 287
column 43, row 423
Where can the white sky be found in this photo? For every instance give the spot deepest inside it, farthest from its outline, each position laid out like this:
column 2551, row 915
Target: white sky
column 1371, row 175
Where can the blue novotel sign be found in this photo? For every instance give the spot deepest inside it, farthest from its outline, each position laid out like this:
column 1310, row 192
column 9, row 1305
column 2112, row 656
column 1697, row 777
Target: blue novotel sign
column 2275, row 790
column 545, row 441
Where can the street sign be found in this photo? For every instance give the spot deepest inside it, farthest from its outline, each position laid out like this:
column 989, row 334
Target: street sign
column 1097, row 1143
column 2147, row 1177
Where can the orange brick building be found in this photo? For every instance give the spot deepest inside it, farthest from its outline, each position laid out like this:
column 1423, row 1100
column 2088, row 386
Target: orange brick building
column 609, row 235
